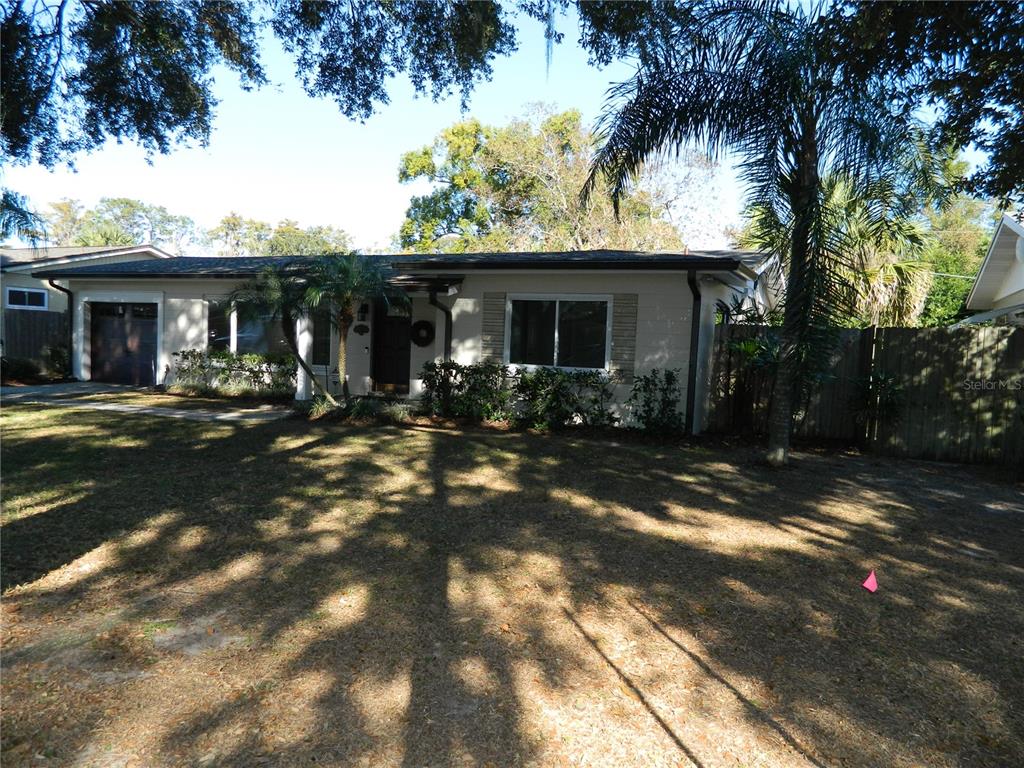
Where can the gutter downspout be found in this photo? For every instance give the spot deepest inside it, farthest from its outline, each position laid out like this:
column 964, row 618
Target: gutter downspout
column 71, row 322
column 691, row 371
column 447, row 312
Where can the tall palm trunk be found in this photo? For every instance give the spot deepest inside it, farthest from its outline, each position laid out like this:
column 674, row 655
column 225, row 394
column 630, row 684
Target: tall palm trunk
column 803, row 200
column 343, row 321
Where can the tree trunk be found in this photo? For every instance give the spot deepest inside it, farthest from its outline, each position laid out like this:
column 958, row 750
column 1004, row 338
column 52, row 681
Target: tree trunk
column 803, row 200
column 343, row 321
column 288, row 329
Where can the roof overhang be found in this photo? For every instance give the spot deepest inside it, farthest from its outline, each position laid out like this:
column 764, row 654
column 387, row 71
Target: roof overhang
column 78, row 259
column 992, row 314
column 998, row 260
column 447, row 285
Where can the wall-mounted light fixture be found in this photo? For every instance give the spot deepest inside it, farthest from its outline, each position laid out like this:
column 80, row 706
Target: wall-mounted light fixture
column 363, row 313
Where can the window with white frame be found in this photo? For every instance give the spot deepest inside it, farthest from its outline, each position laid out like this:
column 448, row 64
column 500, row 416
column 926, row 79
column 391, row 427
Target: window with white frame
column 26, row 298
column 566, row 331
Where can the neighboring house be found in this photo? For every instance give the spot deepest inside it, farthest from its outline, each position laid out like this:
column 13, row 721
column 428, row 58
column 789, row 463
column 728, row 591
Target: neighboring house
column 998, row 290
column 616, row 311
column 25, row 287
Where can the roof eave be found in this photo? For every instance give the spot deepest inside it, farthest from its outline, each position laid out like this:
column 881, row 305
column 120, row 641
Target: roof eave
column 728, row 265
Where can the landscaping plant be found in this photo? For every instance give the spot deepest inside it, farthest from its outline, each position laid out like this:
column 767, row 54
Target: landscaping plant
column 551, row 398
column 478, row 391
column 654, row 401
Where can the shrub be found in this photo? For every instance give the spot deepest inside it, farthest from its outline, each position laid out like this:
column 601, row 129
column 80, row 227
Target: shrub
column 19, row 369
column 477, row 391
column 58, row 360
column 654, row 401
column 877, row 398
column 226, row 372
column 320, row 406
column 552, row 398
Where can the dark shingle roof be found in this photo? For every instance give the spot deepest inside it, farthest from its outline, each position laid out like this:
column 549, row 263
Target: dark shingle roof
column 10, row 257
column 218, row 267
column 185, row 266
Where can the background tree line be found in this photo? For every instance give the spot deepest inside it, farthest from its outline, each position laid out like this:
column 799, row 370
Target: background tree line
column 121, row 221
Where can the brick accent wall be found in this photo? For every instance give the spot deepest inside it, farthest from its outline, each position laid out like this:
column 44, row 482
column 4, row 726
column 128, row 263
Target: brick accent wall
column 492, row 335
column 624, row 335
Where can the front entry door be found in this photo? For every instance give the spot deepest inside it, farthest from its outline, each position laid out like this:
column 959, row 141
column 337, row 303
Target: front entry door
column 391, row 347
column 123, row 343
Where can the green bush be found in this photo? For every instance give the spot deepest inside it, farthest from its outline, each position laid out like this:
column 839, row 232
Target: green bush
column 19, row 369
column 477, row 391
column 58, row 360
column 226, row 372
column 552, row 398
column 654, row 401
column 877, row 398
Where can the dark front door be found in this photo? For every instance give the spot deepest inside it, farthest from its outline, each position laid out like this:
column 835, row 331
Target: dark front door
column 391, row 346
column 123, row 343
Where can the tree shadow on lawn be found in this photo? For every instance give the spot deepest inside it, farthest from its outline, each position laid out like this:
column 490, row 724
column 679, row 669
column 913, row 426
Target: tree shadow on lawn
column 484, row 579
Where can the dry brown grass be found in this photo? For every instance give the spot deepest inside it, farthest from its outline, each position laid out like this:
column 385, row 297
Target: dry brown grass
column 291, row 593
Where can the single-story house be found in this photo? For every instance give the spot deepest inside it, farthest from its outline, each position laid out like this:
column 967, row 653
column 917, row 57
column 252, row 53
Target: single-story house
column 26, row 286
column 618, row 311
column 998, row 290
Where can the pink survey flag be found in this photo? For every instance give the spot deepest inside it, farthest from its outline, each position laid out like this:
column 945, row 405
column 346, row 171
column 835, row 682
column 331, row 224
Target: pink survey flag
column 870, row 583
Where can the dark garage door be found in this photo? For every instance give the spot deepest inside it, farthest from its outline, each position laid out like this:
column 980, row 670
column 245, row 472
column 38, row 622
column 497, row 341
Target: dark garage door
column 123, row 343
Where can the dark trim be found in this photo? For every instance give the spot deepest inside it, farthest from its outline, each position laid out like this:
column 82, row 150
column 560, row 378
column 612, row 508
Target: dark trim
column 68, row 275
column 447, row 312
column 691, row 373
column 407, row 270
column 705, row 264
column 70, row 318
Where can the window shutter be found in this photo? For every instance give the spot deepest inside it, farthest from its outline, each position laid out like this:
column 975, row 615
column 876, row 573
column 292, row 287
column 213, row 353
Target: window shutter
column 624, row 335
column 492, row 335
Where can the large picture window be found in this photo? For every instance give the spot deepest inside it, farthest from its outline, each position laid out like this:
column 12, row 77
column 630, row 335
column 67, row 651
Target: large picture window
column 243, row 335
column 561, row 331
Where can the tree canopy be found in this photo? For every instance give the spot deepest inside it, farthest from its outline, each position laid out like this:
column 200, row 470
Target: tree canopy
column 963, row 59
column 516, row 187
column 78, row 72
column 236, row 235
column 119, row 221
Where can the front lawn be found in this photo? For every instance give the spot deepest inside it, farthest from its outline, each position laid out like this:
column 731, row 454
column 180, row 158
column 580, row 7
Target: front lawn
column 293, row 593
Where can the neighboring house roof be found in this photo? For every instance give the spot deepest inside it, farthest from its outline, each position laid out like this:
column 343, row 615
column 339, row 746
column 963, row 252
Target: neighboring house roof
column 1005, row 255
column 998, row 289
column 31, row 259
column 742, row 261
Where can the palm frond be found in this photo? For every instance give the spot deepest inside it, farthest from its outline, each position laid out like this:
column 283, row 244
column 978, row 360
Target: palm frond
column 18, row 220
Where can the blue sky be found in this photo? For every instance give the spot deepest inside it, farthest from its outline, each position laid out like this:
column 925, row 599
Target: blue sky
column 276, row 153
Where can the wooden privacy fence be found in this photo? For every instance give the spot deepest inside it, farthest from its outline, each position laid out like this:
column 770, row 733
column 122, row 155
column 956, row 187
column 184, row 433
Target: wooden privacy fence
column 959, row 394
column 31, row 334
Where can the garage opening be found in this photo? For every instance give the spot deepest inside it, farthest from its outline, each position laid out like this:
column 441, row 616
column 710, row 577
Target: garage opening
column 123, row 343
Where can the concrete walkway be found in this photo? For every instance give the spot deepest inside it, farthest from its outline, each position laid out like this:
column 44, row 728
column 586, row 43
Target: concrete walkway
column 75, row 395
column 38, row 392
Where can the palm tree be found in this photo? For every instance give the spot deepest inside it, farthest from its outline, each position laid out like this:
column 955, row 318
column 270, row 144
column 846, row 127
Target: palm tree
column 279, row 293
column 340, row 283
column 882, row 254
column 756, row 79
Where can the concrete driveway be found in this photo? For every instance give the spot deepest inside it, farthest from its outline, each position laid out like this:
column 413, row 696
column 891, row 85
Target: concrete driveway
column 38, row 392
column 76, row 394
